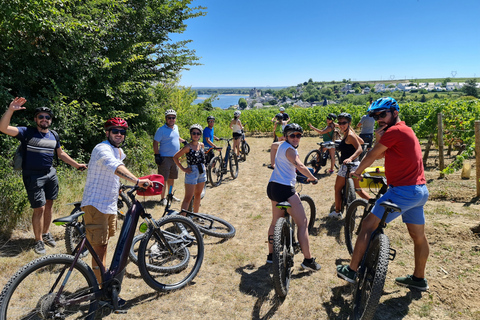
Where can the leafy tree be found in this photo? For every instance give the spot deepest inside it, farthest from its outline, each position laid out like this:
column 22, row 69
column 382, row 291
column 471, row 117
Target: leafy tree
column 445, row 81
column 242, row 103
column 423, row 98
column 470, row 88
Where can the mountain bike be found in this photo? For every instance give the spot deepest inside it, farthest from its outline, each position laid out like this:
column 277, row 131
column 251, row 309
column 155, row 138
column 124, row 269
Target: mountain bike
column 218, row 165
column 59, row 286
column 244, row 147
column 317, row 158
column 348, row 190
column 360, row 208
column 206, row 223
column 372, row 271
column 285, row 246
column 73, row 236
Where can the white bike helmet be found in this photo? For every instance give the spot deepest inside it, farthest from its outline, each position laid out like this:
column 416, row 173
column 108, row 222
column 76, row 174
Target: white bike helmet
column 237, row 114
column 170, row 112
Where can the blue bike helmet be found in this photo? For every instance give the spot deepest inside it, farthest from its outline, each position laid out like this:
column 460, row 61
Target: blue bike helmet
column 382, row 104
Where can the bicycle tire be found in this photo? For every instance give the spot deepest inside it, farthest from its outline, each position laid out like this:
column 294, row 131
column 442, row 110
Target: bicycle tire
column 181, row 233
column 355, row 213
column 350, row 196
column 247, row 148
column 310, row 210
column 372, row 279
column 313, row 160
column 123, row 198
column 214, row 171
column 337, row 160
column 282, row 258
column 219, row 228
column 30, row 293
column 233, row 164
column 243, row 152
column 72, row 237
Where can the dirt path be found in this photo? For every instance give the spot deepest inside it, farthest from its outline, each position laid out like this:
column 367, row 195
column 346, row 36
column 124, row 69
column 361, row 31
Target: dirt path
column 235, row 283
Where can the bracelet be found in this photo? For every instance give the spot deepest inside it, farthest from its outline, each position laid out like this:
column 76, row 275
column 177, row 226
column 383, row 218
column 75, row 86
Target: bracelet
column 138, row 180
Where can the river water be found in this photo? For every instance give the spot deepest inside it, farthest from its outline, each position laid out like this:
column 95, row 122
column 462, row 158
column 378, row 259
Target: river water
column 223, row 101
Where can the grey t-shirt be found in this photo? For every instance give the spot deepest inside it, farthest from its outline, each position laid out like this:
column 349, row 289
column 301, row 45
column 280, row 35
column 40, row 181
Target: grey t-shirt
column 368, row 124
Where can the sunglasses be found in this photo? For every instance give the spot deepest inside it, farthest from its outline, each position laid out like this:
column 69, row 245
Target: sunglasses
column 381, row 115
column 171, row 118
column 40, row 117
column 343, row 122
column 293, row 135
column 195, row 133
column 211, row 120
column 117, row 131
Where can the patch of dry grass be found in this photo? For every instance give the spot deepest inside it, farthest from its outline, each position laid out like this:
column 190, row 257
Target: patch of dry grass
column 235, row 283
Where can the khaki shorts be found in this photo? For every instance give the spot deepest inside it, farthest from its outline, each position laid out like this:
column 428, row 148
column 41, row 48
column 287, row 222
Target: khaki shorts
column 99, row 226
column 168, row 169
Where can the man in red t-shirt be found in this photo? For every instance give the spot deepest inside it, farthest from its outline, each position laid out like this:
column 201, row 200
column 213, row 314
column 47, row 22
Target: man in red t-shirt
column 405, row 177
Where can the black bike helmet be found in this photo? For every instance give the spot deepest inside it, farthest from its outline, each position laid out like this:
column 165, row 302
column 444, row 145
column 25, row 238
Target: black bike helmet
column 332, row 116
column 292, row 127
column 345, row 116
column 44, row 109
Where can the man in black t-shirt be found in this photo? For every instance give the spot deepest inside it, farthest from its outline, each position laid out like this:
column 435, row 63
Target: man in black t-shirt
column 39, row 176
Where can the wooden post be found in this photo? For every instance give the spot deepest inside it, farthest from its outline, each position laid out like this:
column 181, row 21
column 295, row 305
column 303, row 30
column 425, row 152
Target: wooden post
column 427, row 150
column 441, row 160
column 477, row 154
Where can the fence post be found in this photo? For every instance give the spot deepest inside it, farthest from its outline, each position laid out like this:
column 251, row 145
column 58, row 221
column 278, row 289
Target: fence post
column 477, row 154
column 441, row 160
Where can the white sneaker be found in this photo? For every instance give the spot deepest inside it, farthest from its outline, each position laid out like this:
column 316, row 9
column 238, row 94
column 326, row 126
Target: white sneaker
column 163, row 202
column 335, row 214
column 175, row 199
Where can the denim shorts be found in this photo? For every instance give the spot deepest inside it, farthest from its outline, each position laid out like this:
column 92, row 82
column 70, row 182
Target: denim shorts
column 343, row 168
column 410, row 199
column 195, row 176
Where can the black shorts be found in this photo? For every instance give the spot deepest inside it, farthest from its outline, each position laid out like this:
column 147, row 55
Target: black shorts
column 41, row 186
column 279, row 192
column 237, row 135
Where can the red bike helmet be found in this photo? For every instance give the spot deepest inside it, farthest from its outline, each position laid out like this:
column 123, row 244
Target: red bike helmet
column 115, row 122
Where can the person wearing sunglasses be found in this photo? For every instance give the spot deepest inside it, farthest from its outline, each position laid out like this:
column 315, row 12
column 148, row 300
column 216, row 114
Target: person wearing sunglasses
column 350, row 148
column 328, row 134
column 39, row 145
column 166, row 143
column 406, row 179
column 278, row 127
column 195, row 173
column 100, row 195
column 281, row 187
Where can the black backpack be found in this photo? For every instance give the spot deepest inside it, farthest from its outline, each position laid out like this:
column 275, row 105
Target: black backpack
column 19, row 156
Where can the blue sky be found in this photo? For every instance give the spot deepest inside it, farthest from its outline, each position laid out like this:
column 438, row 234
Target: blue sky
column 246, row 43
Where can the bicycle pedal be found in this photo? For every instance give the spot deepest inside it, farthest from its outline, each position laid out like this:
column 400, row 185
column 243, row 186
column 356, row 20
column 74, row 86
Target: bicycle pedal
column 392, row 254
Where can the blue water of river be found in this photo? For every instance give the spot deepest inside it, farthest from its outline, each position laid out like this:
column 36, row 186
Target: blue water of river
column 223, row 101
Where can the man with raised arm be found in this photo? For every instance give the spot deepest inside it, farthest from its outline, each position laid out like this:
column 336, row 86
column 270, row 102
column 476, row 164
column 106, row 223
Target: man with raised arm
column 39, row 176
column 405, row 177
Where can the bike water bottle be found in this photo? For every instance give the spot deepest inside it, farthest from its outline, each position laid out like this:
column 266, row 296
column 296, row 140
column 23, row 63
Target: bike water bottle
column 143, row 227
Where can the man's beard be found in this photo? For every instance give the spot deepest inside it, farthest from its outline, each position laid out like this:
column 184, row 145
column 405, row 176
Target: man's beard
column 113, row 143
column 44, row 126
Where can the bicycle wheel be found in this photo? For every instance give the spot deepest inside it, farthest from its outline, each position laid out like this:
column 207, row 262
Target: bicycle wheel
column 214, row 171
column 233, row 165
column 372, row 278
column 73, row 237
column 357, row 210
column 282, row 257
column 214, row 226
column 350, row 196
column 166, row 246
column 31, row 292
column 313, row 160
column 337, row 160
column 310, row 210
column 243, row 152
column 247, row 148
